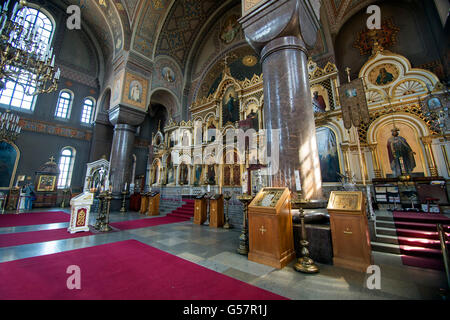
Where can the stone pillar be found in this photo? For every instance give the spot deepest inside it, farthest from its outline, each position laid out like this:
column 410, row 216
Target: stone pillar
column 125, row 121
column 282, row 32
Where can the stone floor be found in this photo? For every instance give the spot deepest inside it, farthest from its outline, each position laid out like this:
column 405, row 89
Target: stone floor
column 216, row 249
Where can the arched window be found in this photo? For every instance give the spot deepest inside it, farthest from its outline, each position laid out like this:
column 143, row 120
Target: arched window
column 14, row 93
column 64, row 104
column 66, row 161
column 86, row 113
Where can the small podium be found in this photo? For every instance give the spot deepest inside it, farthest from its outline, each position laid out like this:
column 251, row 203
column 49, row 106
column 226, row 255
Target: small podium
column 271, row 239
column 200, row 209
column 153, row 204
column 216, row 217
column 79, row 212
column 349, row 230
column 144, row 203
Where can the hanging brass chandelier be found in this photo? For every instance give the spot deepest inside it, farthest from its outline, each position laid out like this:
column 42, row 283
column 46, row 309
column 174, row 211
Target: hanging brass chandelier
column 25, row 55
column 9, row 126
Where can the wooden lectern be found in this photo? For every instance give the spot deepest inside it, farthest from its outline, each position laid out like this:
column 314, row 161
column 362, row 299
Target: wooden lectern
column 144, row 203
column 349, row 230
column 200, row 209
column 271, row 239
column 153, row 204
column 79, row 212
column 216, row 217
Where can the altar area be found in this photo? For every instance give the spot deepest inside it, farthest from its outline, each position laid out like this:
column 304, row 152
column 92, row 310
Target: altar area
column 190, row 158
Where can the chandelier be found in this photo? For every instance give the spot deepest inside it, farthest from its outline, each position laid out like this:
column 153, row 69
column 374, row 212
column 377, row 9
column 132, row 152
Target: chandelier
column 25, row 55
column 9, row 126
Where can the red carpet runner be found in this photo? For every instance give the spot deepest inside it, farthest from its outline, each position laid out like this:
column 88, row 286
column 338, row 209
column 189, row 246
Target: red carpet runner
column 34, row 218
column 122, row 270
column 419, row 239
column 186, row 211
column 20, row 238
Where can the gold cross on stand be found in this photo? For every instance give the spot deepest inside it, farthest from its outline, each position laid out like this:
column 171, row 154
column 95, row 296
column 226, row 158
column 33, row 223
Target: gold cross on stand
column 52, row 159
column 225, row 61
column 262, row 229
column 348, row 73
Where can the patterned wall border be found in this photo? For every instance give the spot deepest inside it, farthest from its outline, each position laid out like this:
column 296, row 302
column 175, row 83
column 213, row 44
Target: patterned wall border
column 55, row 130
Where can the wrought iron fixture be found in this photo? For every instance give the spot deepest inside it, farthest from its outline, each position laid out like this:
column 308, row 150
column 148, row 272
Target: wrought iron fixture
column 436, row 108
column 25, row 55
column 9, row 126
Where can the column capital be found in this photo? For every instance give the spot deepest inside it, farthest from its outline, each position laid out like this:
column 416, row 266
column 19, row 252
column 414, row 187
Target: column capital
column 121, row 114
column 282, row 18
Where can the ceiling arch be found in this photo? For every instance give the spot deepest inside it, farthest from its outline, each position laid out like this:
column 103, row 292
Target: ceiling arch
column 181, row 26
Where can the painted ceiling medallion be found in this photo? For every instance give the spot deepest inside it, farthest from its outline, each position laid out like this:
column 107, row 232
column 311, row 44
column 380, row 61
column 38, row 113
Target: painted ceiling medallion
column 249, row 61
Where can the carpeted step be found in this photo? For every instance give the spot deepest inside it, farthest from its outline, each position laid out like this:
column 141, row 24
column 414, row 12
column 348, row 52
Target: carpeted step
column 420, row 242
column 187, row 212
column 421, row 251
column 423, row 262
column 421, row 217
column 179, row 215
column 422, row 234
column 185, row 209
column 417, row 236
column 419, row 226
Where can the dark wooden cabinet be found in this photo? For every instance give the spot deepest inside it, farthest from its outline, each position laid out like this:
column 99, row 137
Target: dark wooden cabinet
column 153, row 204
column 216, row 217
column 45, row 200
column 144, row 203
column 200, row 210
column 13, row 199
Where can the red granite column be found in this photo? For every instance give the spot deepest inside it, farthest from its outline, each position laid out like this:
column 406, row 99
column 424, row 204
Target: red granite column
column 282, row 31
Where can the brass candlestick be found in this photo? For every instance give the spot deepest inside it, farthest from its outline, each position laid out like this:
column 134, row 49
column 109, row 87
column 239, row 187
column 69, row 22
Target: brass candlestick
column 104, row 226
column 124, row 200
column 100, row 215
column 63, row 203
column 208, row 196
column 243, row 238
column 305, row 264
column 227, row 197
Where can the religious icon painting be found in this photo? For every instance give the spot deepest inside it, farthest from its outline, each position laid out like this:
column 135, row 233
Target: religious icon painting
column 46, row 183
column 383, row 74
column 230, row 29
column 328, row 154
column 434, row 103
column 117, row 90
column 9, row 157
column 168, row 74
column 230, row 106
column 320, row 100
column 135, row 91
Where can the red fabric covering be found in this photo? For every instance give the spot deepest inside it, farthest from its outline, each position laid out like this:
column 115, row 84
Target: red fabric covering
column 122, row 270
column 419, row 240
column 20, row 238
column 186, row 211
column 28, row 219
